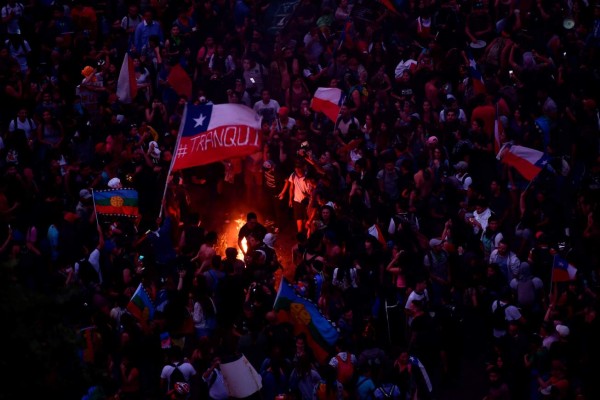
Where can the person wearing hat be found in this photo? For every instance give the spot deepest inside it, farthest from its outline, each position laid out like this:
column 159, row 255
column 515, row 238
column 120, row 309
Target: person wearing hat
column 462, row 175
column 436, row 263
column 84, row 206
column 283, row 122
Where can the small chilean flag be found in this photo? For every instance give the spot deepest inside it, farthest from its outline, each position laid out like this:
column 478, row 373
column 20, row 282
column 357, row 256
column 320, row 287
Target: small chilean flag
column 562, row 270
column 528, row 162
column 127, row 84
column 328, row 101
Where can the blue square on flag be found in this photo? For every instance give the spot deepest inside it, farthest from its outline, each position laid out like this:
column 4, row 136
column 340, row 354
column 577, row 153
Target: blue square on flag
column 197, row 119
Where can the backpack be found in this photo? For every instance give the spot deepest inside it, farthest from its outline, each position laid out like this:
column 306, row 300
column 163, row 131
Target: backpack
column 87, row 272
column 27, row 119
column 526, row 293
column 176, row 376
column 386, row 394
column 499, row 316
column 345, row 369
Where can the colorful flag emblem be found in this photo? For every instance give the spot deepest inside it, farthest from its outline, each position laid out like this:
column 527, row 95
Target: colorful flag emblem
column 127, row 84
column 141, row 305
column 328, row 101
column 528, row 162
column 211, row 133
column 562, row 270
column 116, row 202
column 306, row 318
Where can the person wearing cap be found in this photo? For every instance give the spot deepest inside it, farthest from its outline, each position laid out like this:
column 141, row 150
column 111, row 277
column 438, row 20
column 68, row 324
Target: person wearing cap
column 84, row 207
column 436, row 263
column 283, row 122
column 462, row 175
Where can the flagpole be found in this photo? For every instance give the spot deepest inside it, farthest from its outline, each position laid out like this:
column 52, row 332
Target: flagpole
column 552, row 275
column 173, row 156
column 95, row 213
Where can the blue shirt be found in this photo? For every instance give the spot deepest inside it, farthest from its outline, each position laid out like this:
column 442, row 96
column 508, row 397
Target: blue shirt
column 143, row 32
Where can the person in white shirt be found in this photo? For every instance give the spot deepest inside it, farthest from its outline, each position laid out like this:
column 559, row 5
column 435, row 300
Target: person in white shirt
column 22, row 121
column 131, row 21
column 480, row 217
column 462, row 175
column 419, row 293
column 507, row 261
column 283, row 120
column 267, row 107
column 217, row 390
column 298, row 189
column 93, row 257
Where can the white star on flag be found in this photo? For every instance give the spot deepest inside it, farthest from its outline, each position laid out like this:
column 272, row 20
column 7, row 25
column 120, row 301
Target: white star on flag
column 199, row 121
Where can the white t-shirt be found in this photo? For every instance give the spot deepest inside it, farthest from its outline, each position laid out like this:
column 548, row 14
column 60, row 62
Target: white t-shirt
column 267, row 110
column 94, row 259
column 185, row 367
column 415, row 296
column 301, row 188
column 28, row 126
column 217, row 389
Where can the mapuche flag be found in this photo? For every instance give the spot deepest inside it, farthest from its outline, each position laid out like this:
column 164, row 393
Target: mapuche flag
column 141, row 305
column 306, row 318
column 116, row 202
column 210, row 133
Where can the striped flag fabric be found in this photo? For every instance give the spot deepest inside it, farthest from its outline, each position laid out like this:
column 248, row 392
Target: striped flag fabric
column 416, row 363
column 141, row 305
column 116, row 202
column 210, row 133
column 328, row 101
column 391, row 5
column 306, row 318
column 127, row 84
column 475, row 74
column 528, row 162
column 562, row 270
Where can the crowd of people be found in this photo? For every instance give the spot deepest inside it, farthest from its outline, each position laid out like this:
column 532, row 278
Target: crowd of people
column 408, row 231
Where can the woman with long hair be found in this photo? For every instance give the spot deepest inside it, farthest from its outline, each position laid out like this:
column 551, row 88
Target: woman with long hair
column 296, row 94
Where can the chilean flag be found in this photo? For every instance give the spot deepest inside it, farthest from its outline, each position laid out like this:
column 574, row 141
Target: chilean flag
column 562, row 270
column 328, row 101
column 475, row 74
column 210, row 133
column 127, row 84
column 529, row 162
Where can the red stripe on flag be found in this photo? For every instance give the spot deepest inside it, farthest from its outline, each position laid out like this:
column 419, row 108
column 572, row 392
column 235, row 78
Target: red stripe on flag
column 560, row 275
column 218, row 144
column 525, row 168
column 132, row 81
column 123, row 210
column 331, row 110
